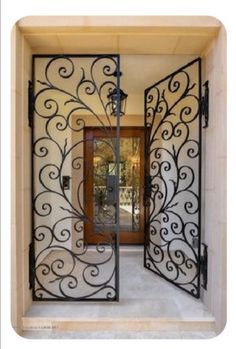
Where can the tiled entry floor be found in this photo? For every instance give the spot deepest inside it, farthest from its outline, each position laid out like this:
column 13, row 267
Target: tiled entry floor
column 142, row 295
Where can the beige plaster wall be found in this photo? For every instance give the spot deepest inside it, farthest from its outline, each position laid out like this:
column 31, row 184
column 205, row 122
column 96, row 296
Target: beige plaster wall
column 21, row 178
column 214, row 180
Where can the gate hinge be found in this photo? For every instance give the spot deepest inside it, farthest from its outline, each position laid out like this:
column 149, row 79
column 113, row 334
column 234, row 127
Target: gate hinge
column 205, row 104
column 31, row 265
column 204, row 266
column 30, row 103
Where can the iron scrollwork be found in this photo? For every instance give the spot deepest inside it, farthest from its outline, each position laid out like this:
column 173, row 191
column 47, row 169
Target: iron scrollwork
column 68, row 92
column 172, row 193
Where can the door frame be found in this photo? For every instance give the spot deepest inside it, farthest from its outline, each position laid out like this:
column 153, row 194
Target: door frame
column 125, row 131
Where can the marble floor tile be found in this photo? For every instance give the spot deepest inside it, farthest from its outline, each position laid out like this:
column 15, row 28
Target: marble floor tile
column 142, row 293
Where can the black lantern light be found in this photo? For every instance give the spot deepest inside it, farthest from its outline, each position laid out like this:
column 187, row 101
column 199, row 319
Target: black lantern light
column 115, row 96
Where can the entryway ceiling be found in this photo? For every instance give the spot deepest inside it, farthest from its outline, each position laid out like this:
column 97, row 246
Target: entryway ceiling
column 120, row 34
column 149, row 52
column 127, row 42
column 142, row 71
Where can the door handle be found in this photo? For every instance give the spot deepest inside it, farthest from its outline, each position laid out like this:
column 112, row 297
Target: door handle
column 66, row 182
column 111, row 189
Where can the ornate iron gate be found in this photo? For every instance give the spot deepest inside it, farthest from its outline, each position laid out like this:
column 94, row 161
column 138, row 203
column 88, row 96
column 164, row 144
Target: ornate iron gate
column 173, row 178
column 71, row 93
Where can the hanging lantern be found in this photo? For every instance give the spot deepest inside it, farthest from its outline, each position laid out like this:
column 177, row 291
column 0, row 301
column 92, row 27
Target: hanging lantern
column 114, row 97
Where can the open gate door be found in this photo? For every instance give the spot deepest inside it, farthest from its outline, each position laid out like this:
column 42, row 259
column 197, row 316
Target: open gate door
column 173, row 178
column 71, row 93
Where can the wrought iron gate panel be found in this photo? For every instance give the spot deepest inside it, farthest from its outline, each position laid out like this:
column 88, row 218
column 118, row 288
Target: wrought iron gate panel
column 70, row 93
column 173, row 177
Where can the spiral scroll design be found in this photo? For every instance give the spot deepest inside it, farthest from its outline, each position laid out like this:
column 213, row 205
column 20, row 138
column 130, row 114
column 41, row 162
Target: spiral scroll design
column 172, row 200
column 69, row 90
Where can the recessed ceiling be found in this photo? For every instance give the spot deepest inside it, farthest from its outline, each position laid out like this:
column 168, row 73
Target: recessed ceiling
column 141, row 71
column 128, row 43
column 149, row 51
column 119, row 34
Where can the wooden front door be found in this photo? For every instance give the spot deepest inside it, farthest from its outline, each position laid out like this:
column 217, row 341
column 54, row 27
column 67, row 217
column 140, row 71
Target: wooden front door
column 98, row 186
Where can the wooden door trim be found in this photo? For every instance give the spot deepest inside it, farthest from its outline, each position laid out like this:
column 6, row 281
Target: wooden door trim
column 130, row 237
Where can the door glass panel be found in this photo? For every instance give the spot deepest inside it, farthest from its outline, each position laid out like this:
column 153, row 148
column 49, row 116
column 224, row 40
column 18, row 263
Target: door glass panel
column 129, row 184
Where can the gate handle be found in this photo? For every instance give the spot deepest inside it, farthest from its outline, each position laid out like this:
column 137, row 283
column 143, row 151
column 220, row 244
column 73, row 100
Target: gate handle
column 110, row 189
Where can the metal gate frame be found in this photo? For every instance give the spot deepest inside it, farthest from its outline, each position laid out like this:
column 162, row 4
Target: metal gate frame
column 92, row 88
column 159, row 258
column 149, row 187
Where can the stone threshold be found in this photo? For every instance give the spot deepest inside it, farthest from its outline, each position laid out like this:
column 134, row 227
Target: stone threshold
column 124, row 324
